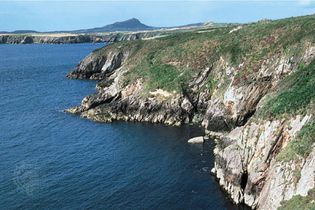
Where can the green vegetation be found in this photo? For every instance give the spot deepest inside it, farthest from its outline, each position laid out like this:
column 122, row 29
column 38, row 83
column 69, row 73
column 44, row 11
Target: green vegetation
column 211, row 83
column 171, row 62
column 297, row 93
column 302, row 145
column 300, row 202
column 159, row 75
column 167, row 61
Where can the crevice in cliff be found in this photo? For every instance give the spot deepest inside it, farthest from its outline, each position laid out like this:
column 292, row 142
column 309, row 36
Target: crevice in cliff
column 106, row 101
column 242, row 120
column 276, row 146
column 244, row 179
column 187, row 94
column 243, row 183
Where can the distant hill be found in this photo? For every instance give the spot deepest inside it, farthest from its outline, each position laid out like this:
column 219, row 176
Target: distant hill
column 19, row 32
column 132, row 24
column 128, row 25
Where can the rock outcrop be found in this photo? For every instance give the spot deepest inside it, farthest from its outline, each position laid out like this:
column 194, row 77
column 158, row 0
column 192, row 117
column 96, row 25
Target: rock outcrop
column 225, row 97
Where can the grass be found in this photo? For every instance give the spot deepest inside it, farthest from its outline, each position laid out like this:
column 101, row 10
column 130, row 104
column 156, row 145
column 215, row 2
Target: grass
column 165, row 77
column 300, row 202
column 211, row 83
column 295, row 96
column 193, row 52
column 301, row 146
column 159, row 75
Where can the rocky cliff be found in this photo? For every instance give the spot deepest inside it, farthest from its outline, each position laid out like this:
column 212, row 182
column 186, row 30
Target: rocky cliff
column 251, row 87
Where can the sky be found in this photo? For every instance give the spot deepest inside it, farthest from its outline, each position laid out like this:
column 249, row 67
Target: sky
column 49, row 15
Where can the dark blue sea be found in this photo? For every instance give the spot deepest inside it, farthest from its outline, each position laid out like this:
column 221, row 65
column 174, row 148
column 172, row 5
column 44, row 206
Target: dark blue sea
column 53, row 160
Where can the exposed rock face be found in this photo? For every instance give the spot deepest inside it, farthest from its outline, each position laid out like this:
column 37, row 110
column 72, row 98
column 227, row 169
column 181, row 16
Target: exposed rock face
column 247, row 168
column 27, row 40
column 112, row 103
column 49, row 39
column 240, row 100
column 247, row 146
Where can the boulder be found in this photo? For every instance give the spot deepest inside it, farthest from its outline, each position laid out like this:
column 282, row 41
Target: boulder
column 196, row 140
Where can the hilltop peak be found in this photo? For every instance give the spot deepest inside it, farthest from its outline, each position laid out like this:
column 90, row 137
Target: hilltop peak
column 133, row 20
column 132, row 24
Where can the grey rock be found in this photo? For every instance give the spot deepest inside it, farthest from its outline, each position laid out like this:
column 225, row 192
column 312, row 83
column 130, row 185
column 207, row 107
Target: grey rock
column 196, row 140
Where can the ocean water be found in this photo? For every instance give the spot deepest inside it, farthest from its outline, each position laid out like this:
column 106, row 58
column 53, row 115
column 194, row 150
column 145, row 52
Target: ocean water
column 53, row 160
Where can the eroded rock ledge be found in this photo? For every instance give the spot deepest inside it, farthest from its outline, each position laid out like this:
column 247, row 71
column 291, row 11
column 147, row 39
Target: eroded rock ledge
column 217, row 95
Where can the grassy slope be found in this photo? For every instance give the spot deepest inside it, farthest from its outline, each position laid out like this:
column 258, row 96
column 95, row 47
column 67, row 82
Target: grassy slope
column 169, row 62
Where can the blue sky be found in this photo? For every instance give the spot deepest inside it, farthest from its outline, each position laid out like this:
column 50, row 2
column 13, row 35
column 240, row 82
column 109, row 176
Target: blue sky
column 45, row 15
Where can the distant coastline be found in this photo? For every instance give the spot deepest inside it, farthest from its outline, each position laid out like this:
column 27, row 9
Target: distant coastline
column 72, row 38
column 68, row 38
column 131, row 29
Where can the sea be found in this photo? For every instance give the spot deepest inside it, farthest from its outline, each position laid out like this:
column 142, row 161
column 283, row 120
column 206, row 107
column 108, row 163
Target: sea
column 50, row 159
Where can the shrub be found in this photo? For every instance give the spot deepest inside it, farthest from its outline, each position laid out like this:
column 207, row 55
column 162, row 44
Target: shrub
column 300, row 202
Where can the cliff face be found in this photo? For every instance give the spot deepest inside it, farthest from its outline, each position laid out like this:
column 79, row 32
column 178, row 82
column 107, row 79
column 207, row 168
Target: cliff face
column 29, row 39
column 248, row 169
column 251, row 87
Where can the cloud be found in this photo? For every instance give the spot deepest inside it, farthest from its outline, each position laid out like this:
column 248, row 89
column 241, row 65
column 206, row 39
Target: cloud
column 305, row 2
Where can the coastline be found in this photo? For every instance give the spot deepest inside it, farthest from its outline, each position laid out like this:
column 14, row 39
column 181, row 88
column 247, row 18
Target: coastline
column 72, row 38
